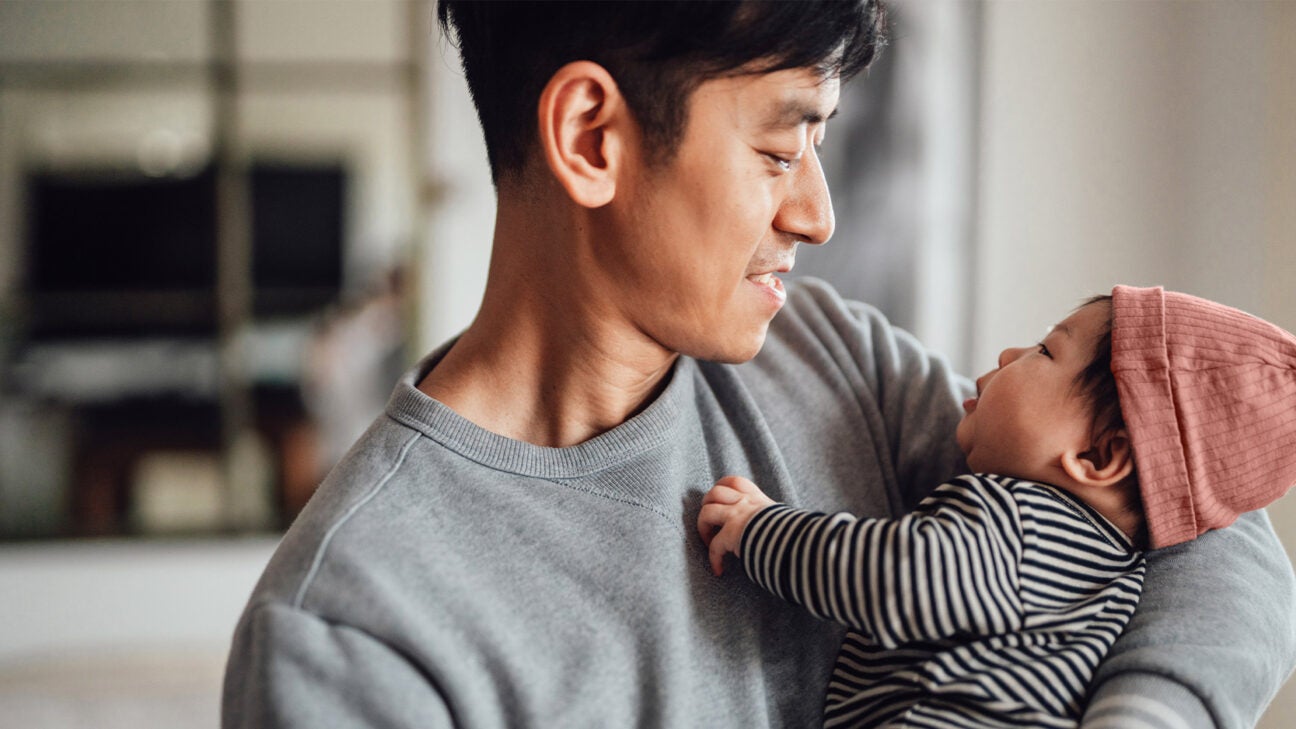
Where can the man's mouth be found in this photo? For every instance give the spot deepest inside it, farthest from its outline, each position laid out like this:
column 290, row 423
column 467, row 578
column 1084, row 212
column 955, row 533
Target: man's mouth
column 770, row 282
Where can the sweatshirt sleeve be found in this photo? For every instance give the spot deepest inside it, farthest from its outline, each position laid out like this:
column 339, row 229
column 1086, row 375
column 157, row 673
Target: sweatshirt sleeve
column 920, row 400
column 952, row 568
column 289, row 668
column 1218, row 617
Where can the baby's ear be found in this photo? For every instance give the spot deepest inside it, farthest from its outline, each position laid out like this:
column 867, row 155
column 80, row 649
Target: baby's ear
column 1107, row 462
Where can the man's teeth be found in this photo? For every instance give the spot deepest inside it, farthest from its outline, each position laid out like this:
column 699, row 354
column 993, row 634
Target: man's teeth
column 765, row 278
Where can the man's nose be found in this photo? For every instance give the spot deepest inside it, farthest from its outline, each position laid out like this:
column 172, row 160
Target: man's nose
column 807, row 211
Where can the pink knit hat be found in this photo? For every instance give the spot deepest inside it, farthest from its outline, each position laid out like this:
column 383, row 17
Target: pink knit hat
column 1209, row 398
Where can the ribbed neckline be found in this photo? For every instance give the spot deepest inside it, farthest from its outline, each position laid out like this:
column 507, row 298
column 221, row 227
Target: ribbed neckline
column 1114, row 534
column 641, row 433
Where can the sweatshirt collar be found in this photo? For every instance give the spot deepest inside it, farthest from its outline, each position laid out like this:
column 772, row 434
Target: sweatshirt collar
column 643, row 432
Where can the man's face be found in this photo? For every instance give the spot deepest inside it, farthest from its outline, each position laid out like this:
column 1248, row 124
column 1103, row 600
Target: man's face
column 702, row 237
column 1030, row 410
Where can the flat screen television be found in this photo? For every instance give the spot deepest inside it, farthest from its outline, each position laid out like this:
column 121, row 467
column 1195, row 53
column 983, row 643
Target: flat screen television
column 111, row 255
column 298, row 218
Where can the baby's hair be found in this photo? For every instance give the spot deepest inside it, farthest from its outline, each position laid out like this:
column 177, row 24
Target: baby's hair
column 1097, row 384
column 1096, row 381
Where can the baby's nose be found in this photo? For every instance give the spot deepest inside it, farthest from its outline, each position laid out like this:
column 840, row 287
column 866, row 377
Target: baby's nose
column 1010, row 355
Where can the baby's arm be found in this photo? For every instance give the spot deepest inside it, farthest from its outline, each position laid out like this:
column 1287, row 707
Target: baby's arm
column 949, row 568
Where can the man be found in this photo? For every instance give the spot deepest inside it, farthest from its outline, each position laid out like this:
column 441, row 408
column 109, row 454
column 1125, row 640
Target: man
column 511, row 544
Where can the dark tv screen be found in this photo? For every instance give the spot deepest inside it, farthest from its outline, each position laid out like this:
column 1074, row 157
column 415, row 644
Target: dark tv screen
column 113, row 255
column 104, row 233
column 297, row 231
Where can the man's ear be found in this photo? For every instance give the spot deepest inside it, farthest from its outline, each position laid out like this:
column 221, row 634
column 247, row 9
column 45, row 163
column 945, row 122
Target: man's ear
column 584, row 122
column 1107, row 462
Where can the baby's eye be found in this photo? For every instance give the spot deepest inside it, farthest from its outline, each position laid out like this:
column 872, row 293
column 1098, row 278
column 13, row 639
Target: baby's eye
column 1044, row 350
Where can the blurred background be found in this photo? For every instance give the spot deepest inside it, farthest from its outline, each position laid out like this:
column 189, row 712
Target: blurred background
column 227, row 226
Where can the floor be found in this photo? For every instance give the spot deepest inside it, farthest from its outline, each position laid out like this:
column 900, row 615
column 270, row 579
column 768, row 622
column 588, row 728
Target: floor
column 115, row 690
column 121, row 634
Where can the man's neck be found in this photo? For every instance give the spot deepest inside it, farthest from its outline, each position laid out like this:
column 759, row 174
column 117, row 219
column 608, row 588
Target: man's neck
column 546, row 361
column 548, row 388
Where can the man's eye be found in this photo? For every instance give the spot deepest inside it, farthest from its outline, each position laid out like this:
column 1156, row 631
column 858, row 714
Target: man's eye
column 783, row 163
column 1044, row 350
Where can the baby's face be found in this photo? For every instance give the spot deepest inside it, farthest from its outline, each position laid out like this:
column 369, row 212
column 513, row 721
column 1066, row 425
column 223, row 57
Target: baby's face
column 1029, row 410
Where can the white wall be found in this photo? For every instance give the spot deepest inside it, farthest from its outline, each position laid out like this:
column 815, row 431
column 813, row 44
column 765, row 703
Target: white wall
column 461, row 205
column 1143, row 143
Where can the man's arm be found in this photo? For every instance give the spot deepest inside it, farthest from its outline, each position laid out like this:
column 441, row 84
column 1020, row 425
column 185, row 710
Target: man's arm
column 288, row 668
column 1218, row 618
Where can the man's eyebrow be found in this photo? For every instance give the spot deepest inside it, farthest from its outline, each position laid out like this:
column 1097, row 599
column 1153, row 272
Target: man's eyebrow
column 795, row 113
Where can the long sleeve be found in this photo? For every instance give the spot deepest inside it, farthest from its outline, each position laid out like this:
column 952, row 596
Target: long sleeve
column 288, row 668
column 991, row 605
column 950, row 568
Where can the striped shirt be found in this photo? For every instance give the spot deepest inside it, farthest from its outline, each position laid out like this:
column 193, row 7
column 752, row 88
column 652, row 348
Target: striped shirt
column 990, row 605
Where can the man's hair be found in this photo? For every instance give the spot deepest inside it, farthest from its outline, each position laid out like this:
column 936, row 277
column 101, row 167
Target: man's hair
column 658, row 51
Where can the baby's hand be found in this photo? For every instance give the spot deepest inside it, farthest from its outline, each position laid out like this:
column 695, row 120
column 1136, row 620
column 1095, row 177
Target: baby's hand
column 727, row 507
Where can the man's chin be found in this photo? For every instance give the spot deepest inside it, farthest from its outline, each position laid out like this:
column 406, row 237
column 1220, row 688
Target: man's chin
column 735, row 350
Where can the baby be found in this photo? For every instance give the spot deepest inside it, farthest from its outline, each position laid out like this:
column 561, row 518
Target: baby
column 1143, row 420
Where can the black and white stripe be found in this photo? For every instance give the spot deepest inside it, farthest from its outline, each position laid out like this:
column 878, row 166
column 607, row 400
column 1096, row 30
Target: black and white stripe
column 990, row 605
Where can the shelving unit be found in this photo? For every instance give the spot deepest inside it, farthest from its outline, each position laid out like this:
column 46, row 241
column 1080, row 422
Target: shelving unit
column 227, row 86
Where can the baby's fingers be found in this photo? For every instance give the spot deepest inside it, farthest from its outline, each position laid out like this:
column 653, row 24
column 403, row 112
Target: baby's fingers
column 739, row 485
column 711, row 518
column 721, row 494
column 717, row 553
column 723, row 542
column 719, row 533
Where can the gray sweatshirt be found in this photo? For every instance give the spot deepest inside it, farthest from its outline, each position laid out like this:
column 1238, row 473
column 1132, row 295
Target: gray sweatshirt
column 444, row 575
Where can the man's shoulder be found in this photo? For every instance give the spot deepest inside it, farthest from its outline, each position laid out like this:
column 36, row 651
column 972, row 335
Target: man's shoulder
column 354, row 526
column 819, row 339
column 813, row 301
column 804, row 345
column 818, row 319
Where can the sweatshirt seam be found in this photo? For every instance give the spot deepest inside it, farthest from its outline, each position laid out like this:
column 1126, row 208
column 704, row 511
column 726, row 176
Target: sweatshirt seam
column 450, row 444
column 619, row 500
column 318, row 560
column 557, row 481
